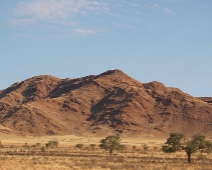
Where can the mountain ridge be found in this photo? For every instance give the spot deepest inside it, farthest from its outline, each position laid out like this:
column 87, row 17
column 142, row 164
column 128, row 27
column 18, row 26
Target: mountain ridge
column 108, row 103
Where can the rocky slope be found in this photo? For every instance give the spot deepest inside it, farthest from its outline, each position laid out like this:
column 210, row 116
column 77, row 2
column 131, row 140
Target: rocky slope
column 109, row 103
column 206, row 99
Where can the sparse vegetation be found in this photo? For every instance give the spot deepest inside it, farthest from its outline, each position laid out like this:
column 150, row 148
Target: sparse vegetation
column 79, row 146
column 43, row 149
column 134, row 148
column 57, row 158
column 52, row 144
column 155, row 148
column 68, row 157
column 145, row 147
column 26, row 145
column 92, row 146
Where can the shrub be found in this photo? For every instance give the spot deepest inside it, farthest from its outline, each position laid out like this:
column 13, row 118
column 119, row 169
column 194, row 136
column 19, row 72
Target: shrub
column 80, row 146
column 52, row 144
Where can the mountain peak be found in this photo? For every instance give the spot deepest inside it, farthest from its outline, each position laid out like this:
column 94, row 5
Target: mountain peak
column 112, row 72
column 111, row 102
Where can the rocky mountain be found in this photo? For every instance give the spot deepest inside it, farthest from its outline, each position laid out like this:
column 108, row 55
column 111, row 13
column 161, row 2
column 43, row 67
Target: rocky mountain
column 105, row 104
column 206, row 99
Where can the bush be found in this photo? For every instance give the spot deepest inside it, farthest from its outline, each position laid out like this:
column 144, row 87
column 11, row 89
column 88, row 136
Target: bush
column 92, row 146
column 133, row 148
column 43, row 149
column 80, row 146
column 145, row 147
column 52, row 144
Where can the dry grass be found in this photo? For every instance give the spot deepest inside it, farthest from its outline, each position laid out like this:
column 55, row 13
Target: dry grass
column 63, row 158
column 15, row 157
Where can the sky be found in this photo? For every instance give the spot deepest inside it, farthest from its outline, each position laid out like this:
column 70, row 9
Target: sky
column 169, row 41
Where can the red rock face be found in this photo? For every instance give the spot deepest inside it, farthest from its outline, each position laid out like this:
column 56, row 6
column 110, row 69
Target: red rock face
column 109, row 103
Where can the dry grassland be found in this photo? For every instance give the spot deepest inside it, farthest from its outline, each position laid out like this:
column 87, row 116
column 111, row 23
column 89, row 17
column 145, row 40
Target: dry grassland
column 16, row 157
column 76, row 159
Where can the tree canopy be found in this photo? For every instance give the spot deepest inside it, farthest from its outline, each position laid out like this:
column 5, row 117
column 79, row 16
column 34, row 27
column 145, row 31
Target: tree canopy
column 111, row 143
column 177, row 141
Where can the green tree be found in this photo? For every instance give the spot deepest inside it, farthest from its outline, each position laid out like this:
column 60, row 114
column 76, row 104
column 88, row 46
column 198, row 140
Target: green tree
column 177, row 141
column 110, row 143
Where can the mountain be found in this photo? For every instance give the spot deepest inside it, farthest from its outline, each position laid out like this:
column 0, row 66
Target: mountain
column 105, row 104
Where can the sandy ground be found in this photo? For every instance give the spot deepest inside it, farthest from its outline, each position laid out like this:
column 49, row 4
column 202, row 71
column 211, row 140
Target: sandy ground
column 70, row 140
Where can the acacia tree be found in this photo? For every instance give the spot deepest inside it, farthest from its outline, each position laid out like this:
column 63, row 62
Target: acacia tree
column 177, row 141
column 111, row 143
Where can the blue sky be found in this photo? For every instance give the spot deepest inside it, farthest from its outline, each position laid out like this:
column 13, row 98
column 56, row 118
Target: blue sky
column 169, row 41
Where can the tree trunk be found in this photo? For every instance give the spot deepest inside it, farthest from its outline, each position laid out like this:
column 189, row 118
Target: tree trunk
column 189, row 157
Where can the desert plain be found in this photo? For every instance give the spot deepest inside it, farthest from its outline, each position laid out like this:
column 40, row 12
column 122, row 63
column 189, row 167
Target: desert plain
column 15, row 155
